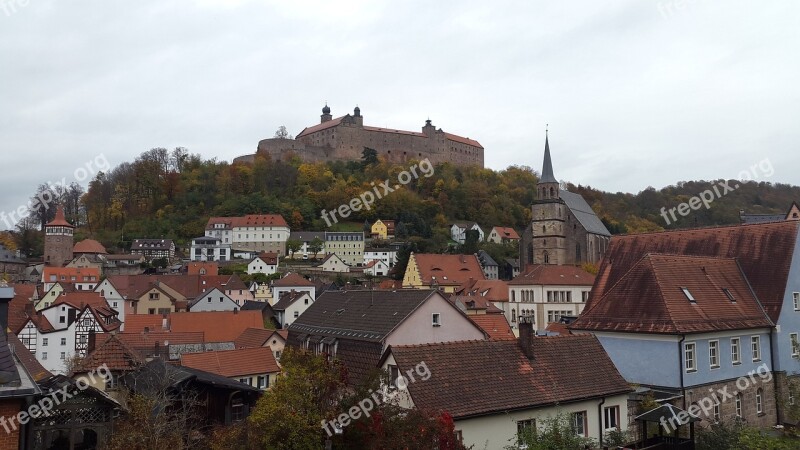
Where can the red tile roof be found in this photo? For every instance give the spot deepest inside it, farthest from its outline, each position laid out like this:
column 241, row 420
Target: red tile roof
column 68, row 272
column 254, row 337
column 489, row 290
column 650, row 298
column 764, row 252
column 292, row 280
column 218, row 326
column 137, row 323
column 506, row 232
column 463, row 140
column 233, row 363
column 250, row 220
column 59, row 220
column 495, row 325
column 465, row 380
column 319, row 127
column 558, row 327
column 89, row 246
column 448, row 270
column 114, row 353
column 19, row 306
column 552, row 275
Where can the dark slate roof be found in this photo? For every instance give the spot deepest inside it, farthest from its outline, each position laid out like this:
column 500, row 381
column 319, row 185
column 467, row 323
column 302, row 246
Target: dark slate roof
column 8, row 256
column 156, row 375
column 287, row 299
column 252, row 305
column 650, row 298
column 9, row 376
column 307, row 236
column 583, row 212
column 761, row 218
column 359, row 315
column 468, row 378
column 547, row 165
column 486, row 259
column 764, row 252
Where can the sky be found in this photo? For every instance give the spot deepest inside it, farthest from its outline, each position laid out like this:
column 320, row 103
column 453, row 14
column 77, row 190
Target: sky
column 636, row 93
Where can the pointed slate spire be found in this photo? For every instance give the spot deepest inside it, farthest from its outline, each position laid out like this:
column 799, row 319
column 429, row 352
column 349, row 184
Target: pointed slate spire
column 547, row 167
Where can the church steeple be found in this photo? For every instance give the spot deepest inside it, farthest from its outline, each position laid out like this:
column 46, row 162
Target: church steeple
column 547, row 187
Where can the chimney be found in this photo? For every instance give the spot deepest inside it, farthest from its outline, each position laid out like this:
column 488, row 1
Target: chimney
column 6, row 294
column 526, row 336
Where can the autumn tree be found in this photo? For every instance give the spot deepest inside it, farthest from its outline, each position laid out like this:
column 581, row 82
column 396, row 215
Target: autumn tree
column 315, row 246
column 293, row 246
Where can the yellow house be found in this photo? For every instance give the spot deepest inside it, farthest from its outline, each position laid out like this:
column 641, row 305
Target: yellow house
column 446, row 272
column 383, row 229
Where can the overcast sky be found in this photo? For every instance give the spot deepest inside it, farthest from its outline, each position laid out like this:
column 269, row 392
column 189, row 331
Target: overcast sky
column 637, row 93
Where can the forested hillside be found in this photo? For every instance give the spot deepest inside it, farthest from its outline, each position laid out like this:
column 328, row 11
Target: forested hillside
column 172, row 193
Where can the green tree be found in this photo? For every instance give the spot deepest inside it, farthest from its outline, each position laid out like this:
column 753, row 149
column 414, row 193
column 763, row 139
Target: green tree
column 293, row 246
column 315, row 246
column 369, row 157
column 555, row 433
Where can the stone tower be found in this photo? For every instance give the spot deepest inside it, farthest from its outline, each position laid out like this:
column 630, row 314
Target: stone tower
column 58, row 240
column 564, row 229
column 548, row 217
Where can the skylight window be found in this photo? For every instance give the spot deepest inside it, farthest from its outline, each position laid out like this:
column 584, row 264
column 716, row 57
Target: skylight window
column 688, row 295
column 729, row 294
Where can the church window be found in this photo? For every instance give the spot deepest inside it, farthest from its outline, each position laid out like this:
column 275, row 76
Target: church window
column 546, row 258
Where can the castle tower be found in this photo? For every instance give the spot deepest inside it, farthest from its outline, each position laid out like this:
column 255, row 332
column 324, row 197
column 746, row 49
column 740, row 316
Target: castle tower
column 358, row 117
column 58, row 240
column 326, row 114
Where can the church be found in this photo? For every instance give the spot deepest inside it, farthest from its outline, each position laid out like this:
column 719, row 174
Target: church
column 564, row 230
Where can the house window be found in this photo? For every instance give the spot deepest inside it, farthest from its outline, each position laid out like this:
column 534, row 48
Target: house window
column 62, row 319
column 44, row 342
column 795, row 345
column 63, row 355
column 689, row 357
column 739, row 405
column 262, row 382
column 611, row 417
column 796, row 300
column 513, row 316
column 44, row 356
column 525, row 428
column 63, row 341
column 760, row 401
column 735, row 353
column 296, row 314
column 394, row 374
column 579, row 423
column 436, row 320
column 713, row 354
column 154, row 296
column 755, row 344
column 584, row 296
column 237, row 410
column 717, row 414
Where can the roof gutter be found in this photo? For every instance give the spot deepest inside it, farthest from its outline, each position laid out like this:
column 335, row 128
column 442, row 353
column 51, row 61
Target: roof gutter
column 600, row 419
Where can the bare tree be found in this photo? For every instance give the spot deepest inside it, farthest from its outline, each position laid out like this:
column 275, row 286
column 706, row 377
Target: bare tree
column 282, row 133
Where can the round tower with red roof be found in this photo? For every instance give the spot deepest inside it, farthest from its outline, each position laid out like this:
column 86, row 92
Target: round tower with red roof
column 58, row 240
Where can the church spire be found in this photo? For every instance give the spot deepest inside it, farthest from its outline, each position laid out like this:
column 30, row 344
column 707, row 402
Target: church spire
column 547, row 167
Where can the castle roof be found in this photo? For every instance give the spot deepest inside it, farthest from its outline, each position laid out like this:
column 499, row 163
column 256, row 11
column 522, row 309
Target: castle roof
column 59, row 220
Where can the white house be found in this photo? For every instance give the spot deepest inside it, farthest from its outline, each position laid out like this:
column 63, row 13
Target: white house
column 210, row 248
column 61, row 331
column 291, row 282
column 333, row 263
column 266, row 263
column 458, row 231
column 387, row 255
column 255, row 232
column 376, row 268
column 213, row 300
column 587, row 389
column 291, row 306
column 546, row 292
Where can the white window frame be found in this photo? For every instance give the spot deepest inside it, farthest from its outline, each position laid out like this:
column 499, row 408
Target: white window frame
column 582, row 423
column 759, row 401
column 738, row 402
column 606, row 416
column 793, row 341
column 796, row 300
column 736, row 351
column 713, row 354
column 686, row 359
column 755, row 347
column 436, row 319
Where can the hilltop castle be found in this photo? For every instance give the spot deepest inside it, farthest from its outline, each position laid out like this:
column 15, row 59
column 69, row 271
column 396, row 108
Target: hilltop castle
column 344, row 139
